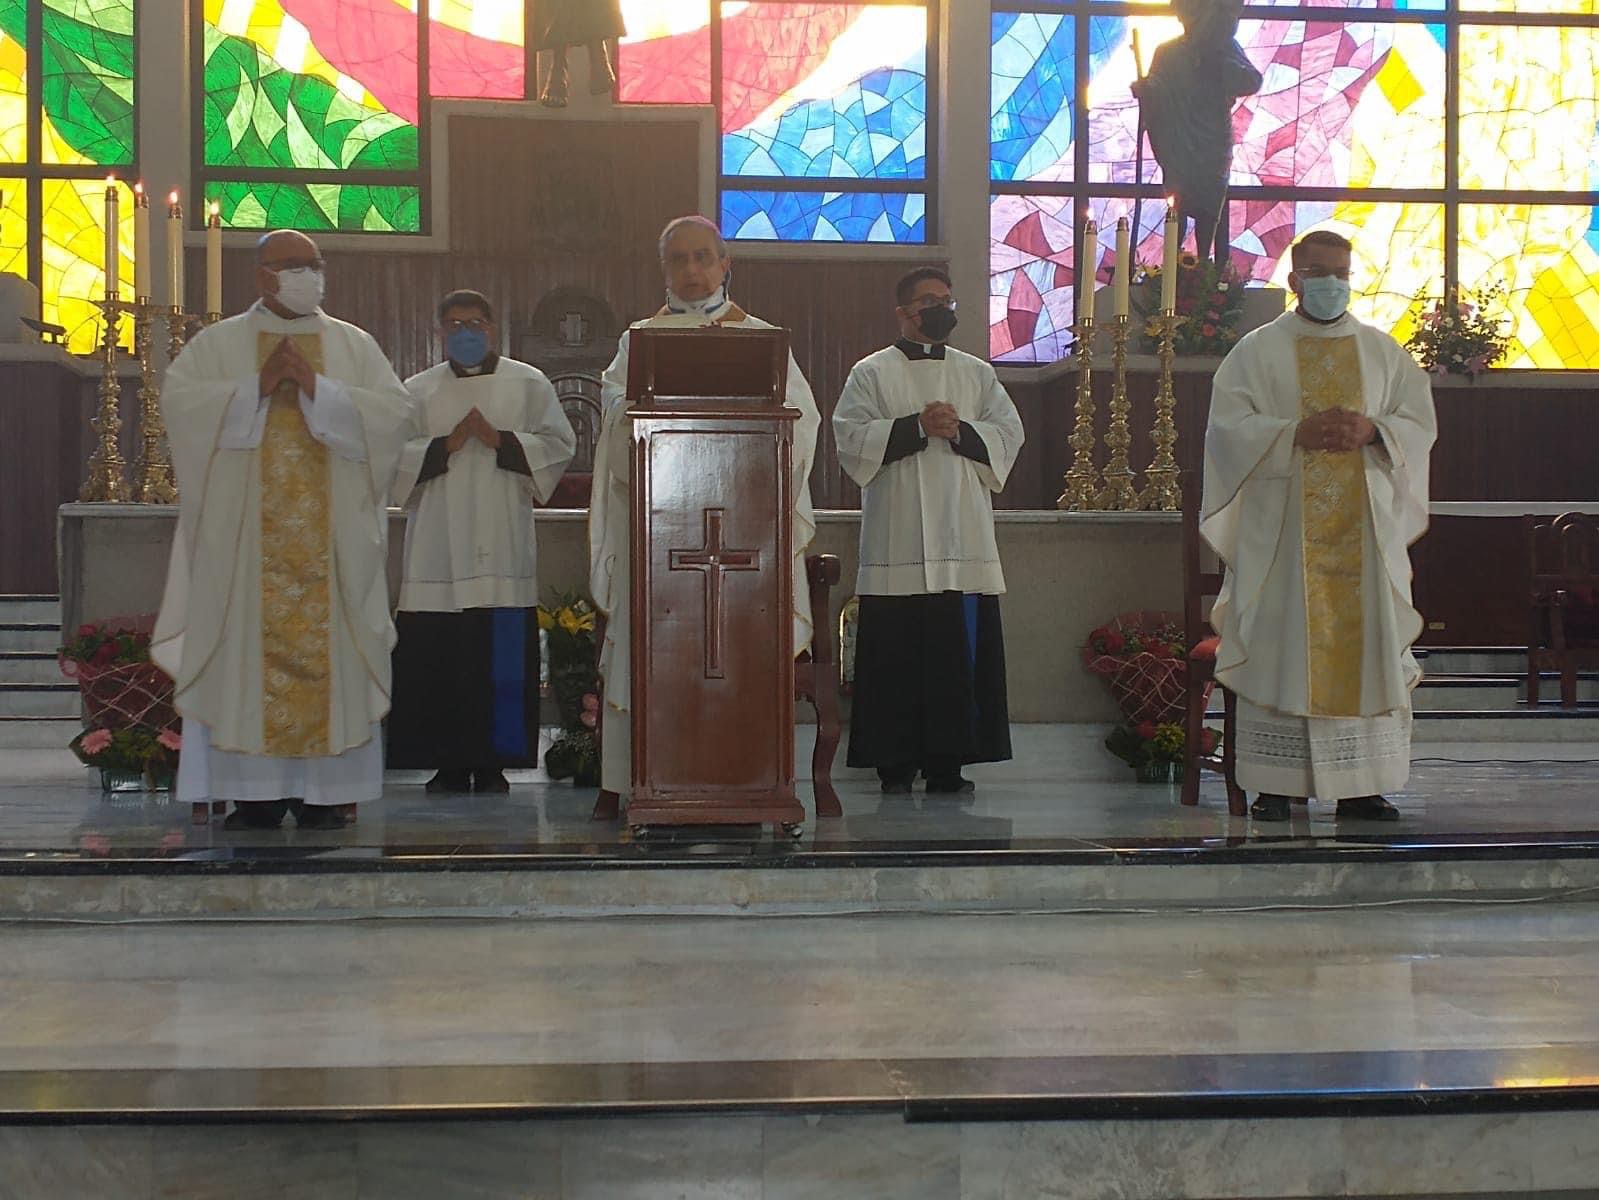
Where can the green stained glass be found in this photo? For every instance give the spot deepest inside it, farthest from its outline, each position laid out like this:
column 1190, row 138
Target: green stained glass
column 85, row 60
column 259, row 115
column 319, row 207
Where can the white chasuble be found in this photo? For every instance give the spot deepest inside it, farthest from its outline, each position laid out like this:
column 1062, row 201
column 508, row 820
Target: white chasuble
column 1315, row 615
column 469, row 541
column 927, row 520
column 275, row 622
column 610, row 517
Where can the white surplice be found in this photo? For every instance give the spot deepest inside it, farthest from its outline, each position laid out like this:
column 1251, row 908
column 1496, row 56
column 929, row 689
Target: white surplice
column 469, row 538
column 209, row 633
column 1254, row 516
column 610, row 517
column 927, row 520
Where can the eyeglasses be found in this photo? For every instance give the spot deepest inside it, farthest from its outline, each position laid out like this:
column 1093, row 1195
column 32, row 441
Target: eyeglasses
column 927, row 302
column 1315, row 271
column 476, row 324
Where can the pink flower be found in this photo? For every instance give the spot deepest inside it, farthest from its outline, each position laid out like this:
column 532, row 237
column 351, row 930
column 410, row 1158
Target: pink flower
column 171, row 739
column 1477, row 364
column 591, row 702
column 589, row 719
column 96, row 741
column 86, row 631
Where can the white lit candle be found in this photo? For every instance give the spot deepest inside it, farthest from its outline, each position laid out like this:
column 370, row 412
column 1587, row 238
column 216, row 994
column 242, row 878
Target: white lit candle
column 1090, row 265
column 141, row 243
column 1124, row 266
column 1168, row 270
column 213, row 260
column 113, row 215
column 174, row 251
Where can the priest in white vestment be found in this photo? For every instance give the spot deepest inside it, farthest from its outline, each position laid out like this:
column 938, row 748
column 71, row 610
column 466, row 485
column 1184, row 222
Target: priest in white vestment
column 695, row 262
column 286, row 426
column 1316, row 461
column 492, row 442
column 930, row 435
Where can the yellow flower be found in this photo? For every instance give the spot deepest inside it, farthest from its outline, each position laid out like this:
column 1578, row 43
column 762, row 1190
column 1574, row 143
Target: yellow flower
column 546, row 619
column 585, row 623
column 569, row 620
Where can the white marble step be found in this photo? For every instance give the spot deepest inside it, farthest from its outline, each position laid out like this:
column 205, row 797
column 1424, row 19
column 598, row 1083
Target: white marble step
column 1446, row 693
column 1473, row 660
column 37, row 733
column 29, row 635
column 29, row 666
column 30, row 608
column 39, row 699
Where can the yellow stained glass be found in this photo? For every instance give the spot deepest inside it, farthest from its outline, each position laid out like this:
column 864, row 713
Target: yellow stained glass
column 73, row 213
column 13, row 101
column 13, row 227
column 1543, row 255
column 1567, row 7
column 1529, row 106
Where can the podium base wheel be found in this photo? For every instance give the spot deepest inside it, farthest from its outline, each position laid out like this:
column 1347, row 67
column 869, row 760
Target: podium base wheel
column 794, row 829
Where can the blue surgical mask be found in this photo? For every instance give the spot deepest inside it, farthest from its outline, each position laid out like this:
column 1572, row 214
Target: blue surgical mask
column 1325, row 297
column 467, row 346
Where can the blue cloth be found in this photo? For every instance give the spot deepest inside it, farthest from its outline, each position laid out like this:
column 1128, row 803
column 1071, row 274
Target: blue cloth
column 969, row 611
column 508, row 673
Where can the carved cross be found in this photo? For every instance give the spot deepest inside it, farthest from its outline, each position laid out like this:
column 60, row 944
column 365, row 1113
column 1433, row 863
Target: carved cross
column 712, row 559
column 574, row 329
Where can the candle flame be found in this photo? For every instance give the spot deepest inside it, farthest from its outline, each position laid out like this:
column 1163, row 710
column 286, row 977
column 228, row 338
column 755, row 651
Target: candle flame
column 172, row 196
column 216, row 211
column 138, row 188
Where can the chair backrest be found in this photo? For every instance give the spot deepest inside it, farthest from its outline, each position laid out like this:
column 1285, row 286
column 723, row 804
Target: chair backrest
column 1561, row 553
column 1198, row 583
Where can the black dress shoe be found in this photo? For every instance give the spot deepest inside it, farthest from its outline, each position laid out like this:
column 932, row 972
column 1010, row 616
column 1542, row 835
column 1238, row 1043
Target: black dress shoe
column 450, row 781
column 320, row 816
column 1367, row 808
column 256, row 814
column 896, row 787
column 490, row 781
column 1269, row 807
column 950, row 785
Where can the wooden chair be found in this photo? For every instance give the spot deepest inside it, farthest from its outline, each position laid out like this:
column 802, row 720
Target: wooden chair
column 815, row 681
column 1564, row 611
column 1198, row 585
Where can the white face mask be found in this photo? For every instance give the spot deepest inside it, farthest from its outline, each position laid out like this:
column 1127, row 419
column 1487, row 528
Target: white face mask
column 711, row 306
column 300, row 289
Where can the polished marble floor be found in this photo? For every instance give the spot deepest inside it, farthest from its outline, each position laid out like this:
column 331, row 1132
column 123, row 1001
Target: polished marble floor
column 1062, row 785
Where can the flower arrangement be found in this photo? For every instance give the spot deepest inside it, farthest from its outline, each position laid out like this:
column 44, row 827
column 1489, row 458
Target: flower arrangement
column 571, row 628
column 1459, row 337
column 1143, row 661
column 1210, row 302
column 132, row 756
column 1154, row 751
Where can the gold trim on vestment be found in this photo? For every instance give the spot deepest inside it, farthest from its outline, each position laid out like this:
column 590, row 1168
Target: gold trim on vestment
column 1334, row 515
column 296, row 570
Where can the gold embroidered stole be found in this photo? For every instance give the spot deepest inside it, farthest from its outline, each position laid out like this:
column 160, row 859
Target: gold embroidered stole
column 1334, row 512
column 296, row 570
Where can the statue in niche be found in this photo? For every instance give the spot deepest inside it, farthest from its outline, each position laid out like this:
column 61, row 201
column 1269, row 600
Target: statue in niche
column 1186, row 103
column 561, row 24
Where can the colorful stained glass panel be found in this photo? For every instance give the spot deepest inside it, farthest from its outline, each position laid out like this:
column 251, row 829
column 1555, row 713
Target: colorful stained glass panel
column 1586, row 8
column 1529, row 107
column 1031, row 271
column 1033, row 96
column 476, row 49
column 73, row 251
column 319, row 207
column 824, row 216
column 13, row 99
column 824, row 90
column 666, row 56
column 1547, row 256
column 85, row 61
column 13, row 227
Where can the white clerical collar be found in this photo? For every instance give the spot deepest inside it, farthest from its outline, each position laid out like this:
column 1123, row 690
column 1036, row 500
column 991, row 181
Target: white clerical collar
column 259, row 308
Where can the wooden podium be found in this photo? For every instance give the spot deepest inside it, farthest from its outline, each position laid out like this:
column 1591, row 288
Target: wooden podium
column 712, row 590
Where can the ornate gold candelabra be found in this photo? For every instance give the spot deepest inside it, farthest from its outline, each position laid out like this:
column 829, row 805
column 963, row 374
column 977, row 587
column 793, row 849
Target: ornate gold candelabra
column 1162, row 492
column 153, row 479
column 105, row 482
column 1118, row 494
column 1082, row 481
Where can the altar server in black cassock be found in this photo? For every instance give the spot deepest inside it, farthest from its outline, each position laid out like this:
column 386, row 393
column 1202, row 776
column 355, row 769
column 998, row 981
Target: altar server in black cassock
column 929, row 434
column 466, row 668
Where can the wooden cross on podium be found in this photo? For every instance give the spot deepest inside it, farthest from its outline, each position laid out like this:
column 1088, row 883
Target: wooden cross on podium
column 712, row 559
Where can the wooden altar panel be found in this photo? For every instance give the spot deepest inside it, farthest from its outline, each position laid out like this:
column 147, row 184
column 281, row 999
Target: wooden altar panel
column 713, row 659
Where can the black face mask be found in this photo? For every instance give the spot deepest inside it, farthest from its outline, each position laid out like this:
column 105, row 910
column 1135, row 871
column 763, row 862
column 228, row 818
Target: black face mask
column 938, row 322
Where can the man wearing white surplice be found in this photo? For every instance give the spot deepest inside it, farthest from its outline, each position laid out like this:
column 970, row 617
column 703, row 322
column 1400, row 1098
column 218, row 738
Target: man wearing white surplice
column 286, row 426
column 1316, row 462
column 695, row 262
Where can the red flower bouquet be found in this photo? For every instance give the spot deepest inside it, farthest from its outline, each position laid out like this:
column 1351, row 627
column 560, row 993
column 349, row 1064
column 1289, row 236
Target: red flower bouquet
column 121, row 687
column 1143, row 662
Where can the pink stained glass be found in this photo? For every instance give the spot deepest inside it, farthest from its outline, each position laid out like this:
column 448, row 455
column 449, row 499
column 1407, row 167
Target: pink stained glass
column 671, row 69
column 1031, row 272
column 374, row 41
column 769, row 48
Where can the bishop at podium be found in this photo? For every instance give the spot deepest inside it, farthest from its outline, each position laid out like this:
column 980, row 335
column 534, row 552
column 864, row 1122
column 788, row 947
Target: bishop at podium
column 697, row 269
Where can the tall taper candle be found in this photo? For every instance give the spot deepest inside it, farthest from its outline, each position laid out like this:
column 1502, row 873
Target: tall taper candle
column 174, row 251
column 1168, row 269
column 141, row 243
column 113, row 216
column 1088, row 267
column 213, row 260
column 1124, row 267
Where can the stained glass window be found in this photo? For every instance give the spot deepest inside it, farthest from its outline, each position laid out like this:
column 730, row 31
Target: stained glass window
column 477, row 49
column 78, row 80
column 1347, row 132
column 824, row 104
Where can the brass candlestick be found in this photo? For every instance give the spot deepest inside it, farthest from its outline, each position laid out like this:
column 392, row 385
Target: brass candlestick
column 177, row 332
column 1161, row 490
column 211, row 318
column 1082, row 481
column 105, row 482
column 152, row 473
column 1118, row 494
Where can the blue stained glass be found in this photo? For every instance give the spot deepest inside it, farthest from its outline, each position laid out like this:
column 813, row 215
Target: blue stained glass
column 825, row 216
column 875, row 128
column 1031, row 113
